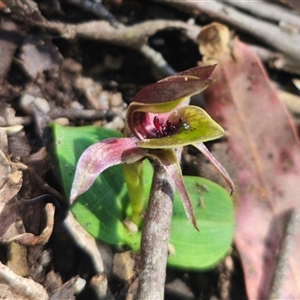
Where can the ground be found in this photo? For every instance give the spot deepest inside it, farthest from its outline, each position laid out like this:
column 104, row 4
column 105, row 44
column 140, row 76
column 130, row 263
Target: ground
column 81, row 76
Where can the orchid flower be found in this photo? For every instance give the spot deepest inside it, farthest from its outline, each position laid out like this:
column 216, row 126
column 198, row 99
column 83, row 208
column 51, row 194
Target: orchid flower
column 157, row 121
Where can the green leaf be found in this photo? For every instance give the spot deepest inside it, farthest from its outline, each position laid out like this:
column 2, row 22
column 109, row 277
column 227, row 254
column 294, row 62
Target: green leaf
column 214, row 212
column 102, row 209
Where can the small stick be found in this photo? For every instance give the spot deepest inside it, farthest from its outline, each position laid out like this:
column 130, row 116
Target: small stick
column 100, row 286
column 155, row 238
column 276, row 60
column 79, row 114
column 96, row 8
column 265, row 31
column 269, row 11
column 157, row 60
column 18, row 285
column 284, row 254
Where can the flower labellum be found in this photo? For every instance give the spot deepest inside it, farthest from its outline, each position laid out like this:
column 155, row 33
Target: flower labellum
column 157, row 121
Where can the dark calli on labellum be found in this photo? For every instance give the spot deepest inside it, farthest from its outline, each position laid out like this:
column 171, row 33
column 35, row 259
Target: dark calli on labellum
column 157, row 121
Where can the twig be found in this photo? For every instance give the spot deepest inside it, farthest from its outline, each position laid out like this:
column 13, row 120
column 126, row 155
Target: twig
column 157, row 60
column 100, row 287
column 155, row 237
column 97, row 9
column 268, row 11
column 153, row 56
column 113, row 32
column 25, row 11
column 276, row 60
column 70, row 288
column 127, row 36
column 26, row 287
column 266, row 32
column 284, row 254
column 80, row 114
column 292, row 3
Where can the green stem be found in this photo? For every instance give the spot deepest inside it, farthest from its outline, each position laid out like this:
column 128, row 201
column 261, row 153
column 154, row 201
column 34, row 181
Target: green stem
column 134, row 179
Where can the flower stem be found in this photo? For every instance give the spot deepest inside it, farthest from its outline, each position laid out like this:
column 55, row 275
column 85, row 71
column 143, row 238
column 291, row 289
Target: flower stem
column 134, row 179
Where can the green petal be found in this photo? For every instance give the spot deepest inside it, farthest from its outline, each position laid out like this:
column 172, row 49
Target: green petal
column 196, row 126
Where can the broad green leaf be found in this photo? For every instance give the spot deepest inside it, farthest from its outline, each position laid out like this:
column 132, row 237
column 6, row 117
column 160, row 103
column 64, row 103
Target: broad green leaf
column 102, row 209
column 214, row 212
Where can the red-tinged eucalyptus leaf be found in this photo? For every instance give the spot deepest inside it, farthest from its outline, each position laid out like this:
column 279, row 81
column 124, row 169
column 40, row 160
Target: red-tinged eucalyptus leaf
column 169, row 161
column 201, row 147
column 265, row 152
column 196, row 126
column 100, row 156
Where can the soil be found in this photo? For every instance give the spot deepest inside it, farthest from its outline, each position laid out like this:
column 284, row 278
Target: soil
column 89, row 75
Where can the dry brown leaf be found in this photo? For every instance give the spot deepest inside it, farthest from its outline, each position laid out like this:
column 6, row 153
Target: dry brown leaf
column 68, row 289
column 100, row 285
column 214, row 42
column 124, row 266
column 28, row 239
column 17, row 259
column 10, row 181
